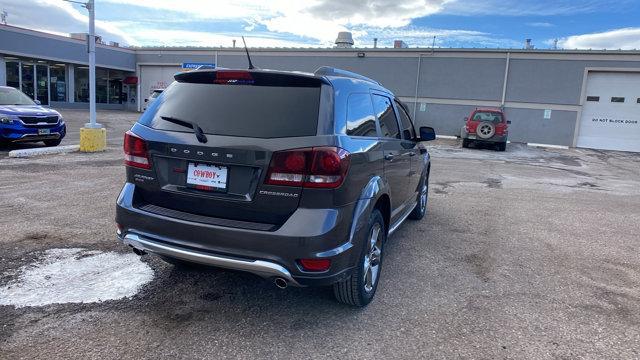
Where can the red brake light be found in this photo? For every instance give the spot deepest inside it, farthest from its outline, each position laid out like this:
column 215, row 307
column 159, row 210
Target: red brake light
column 315, row 264
column 233, row 77
column 320, row 167
column 288, row 167
column 136, row 153
column 329, row 167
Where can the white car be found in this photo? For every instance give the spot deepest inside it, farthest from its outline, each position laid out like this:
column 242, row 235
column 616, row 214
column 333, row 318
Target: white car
column 154, row 95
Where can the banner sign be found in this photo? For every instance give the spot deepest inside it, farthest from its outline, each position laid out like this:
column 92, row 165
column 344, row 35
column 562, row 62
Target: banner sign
column 194, row 66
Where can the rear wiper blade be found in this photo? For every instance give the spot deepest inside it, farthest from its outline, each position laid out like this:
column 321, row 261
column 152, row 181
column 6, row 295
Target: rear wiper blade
column 196, row 129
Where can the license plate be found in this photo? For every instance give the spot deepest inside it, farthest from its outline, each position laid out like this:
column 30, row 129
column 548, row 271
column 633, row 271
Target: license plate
column 44, row 131
column 207, row 177
column 472, row 137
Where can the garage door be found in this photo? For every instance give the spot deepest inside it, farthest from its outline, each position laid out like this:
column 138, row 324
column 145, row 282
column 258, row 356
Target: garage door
column 155, row 77
column 611, row 112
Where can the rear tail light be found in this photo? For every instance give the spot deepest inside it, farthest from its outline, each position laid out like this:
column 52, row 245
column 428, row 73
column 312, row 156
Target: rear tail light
column 136, row 153
column 315, row 265
column 319, row 167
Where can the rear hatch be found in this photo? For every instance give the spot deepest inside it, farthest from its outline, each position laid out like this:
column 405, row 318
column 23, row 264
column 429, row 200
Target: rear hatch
column 218, row 176
column 494, row 118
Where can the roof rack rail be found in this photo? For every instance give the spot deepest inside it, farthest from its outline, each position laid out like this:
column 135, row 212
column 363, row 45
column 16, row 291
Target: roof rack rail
column 330, row 71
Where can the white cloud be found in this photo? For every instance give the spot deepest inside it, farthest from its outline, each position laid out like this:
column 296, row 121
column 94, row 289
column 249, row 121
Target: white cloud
column 59, row 17
column 625, row 39
column 526, row 8
column 420, row 37
column 540, row 24
column 214, row 10
column 274, row 23
column 320, row 20
column 160, row 37
column 376, row 13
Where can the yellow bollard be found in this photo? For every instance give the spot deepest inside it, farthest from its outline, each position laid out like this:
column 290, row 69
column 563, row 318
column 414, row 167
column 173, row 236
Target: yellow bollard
column 93, row 140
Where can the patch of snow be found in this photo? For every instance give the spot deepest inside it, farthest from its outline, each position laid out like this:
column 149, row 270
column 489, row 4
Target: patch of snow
column 446, row 137
column 550, row 146
column 76, row 276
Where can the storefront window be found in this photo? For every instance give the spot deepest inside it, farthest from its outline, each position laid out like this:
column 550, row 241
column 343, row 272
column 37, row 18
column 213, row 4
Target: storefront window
column 102, row 79
column 82, row 84
column 28, row 86
column 42, row 83
column 115, row 86
column 58, row 82
column 13, row 74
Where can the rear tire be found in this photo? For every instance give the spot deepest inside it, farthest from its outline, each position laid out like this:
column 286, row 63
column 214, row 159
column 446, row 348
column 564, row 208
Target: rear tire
column 502, row 146
column 358, row 290
column 421, row 204
column 51, row 143
column 465, row 143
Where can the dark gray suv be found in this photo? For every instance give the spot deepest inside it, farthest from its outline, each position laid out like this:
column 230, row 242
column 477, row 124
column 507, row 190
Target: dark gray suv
column 296, row 177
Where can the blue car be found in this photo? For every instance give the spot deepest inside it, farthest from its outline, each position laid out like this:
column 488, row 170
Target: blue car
column 24, row 120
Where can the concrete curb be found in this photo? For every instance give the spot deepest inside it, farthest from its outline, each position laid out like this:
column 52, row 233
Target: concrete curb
column 22, row 153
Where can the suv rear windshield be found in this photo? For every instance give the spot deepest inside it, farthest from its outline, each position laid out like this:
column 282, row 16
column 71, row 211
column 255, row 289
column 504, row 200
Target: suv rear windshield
column 487, row 116
column 238, row 110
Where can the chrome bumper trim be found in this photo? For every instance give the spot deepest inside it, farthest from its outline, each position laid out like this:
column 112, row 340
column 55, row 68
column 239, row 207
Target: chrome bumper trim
column 36, row 137
column 265, row 269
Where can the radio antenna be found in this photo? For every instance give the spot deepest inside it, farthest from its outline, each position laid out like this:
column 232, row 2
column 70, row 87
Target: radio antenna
column 251, row 67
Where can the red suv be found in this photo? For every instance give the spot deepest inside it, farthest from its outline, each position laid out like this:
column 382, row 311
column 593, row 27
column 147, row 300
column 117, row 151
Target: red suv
column 486, row 126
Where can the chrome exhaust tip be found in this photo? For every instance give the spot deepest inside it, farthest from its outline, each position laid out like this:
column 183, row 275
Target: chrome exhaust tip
column 280, row 283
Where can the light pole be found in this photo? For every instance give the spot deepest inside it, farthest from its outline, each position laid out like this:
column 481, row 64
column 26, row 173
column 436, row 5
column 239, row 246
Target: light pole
column 93, row 135
column 90, row 5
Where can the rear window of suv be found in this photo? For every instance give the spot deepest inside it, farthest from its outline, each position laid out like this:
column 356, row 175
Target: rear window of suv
column 487, row 116
column 246, row 110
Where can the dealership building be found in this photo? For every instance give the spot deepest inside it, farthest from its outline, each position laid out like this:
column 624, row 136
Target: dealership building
column 574, row 98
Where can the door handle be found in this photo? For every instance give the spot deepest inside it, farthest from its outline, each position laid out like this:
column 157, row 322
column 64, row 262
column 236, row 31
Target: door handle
column 389, row 157
column 412, row 154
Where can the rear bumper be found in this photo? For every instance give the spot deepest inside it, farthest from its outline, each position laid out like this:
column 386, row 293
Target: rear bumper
column 307, row 234
column 265, row 269
column 473, row 137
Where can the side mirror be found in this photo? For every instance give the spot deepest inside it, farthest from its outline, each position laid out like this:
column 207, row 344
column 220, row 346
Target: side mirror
column 146, row 100
column 37, row 102
column 508, row 121
column 466, row 119
column 427, row 133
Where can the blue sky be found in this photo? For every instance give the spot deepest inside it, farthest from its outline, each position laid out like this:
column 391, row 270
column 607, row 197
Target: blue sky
column 315, row 23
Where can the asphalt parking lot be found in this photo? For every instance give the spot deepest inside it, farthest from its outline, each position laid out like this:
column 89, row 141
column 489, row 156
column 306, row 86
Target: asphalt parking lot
column 531, row 253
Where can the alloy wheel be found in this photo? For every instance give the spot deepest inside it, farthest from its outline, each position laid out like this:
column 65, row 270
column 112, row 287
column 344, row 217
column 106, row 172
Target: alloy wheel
column 423, row 196
column 372, row 258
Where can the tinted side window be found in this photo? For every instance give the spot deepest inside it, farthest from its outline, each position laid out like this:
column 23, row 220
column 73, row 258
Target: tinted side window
column 360, row 118
column 386, row 117
column 408, row 132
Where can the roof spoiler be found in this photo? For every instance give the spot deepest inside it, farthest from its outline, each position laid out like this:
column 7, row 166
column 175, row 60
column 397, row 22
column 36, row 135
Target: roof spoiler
column 330, row 71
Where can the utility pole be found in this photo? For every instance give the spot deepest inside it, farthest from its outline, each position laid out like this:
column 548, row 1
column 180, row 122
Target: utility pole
column 90, row 5
column 93, row 136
